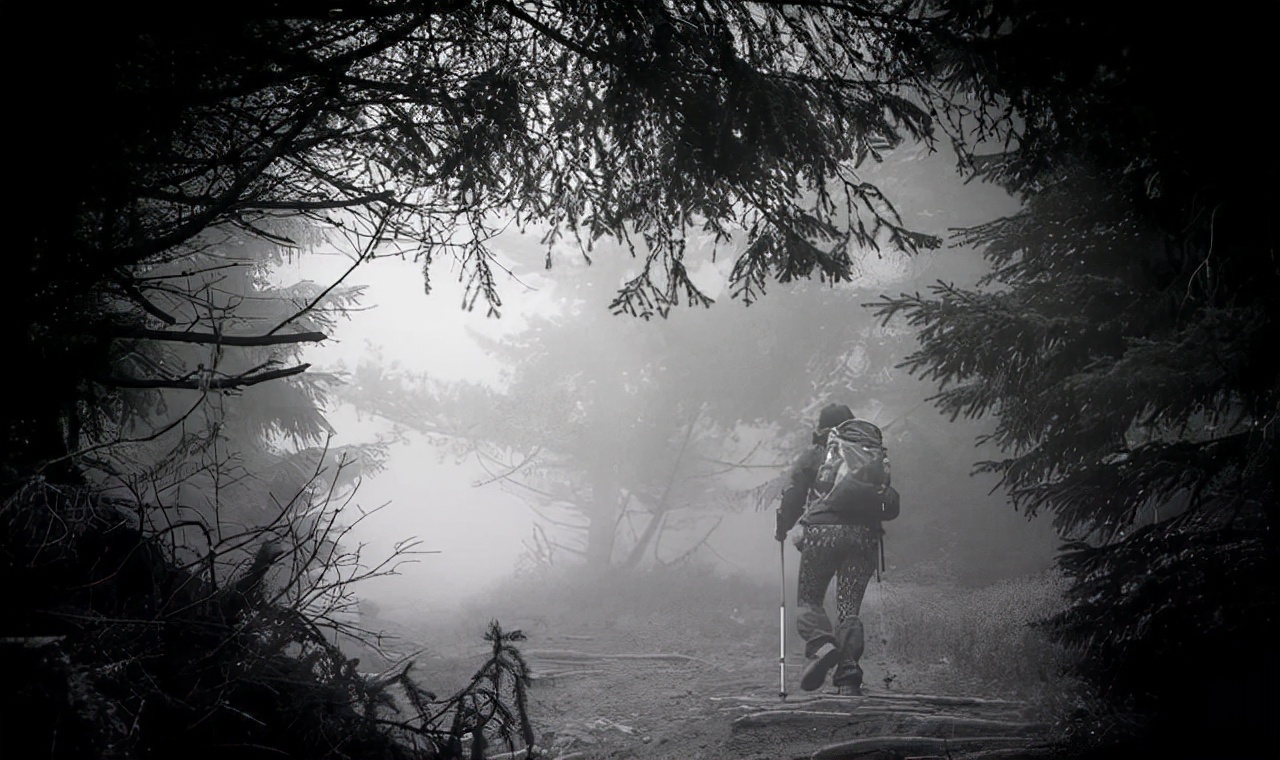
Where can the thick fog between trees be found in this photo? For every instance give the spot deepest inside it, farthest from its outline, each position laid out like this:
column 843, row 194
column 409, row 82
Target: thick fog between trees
column 495, row 423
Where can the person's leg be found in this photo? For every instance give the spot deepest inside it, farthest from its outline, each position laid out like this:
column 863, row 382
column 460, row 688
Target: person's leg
column 852, row 576
column 818, row 563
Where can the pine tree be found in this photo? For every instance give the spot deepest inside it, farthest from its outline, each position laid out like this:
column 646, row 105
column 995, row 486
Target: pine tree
column 1123, row 341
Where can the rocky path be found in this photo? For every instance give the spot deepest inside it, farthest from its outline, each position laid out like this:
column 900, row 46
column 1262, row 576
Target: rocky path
column 602, row 697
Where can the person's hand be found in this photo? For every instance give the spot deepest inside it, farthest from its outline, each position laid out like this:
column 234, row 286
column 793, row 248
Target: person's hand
column 779, row 535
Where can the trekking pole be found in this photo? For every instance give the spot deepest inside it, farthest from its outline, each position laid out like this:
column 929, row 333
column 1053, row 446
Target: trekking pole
column 880, row 567
column 782, row 623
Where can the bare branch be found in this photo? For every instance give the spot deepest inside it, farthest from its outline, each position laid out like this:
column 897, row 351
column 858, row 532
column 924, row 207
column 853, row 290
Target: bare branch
column 218, row 339
column 200, row 384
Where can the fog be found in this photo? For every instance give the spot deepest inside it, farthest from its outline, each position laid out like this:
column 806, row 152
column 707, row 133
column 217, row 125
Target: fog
column 423, row 492
column 475, row 534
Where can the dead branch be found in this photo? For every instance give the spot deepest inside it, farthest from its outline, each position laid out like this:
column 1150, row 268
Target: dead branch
column 512, row 471
column 812, row 718
column 131, row 290
column 201, row 383
column 217, row 339
column 314, row 205
column 365, row 254
column 689, row 552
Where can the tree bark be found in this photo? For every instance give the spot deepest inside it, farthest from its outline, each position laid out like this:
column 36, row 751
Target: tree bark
column 602, row 524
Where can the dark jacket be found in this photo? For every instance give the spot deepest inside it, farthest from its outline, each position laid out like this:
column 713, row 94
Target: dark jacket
column 824, row 511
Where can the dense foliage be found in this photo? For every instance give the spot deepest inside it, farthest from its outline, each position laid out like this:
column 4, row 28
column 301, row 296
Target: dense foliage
column 142, row 658
column 1122, row 342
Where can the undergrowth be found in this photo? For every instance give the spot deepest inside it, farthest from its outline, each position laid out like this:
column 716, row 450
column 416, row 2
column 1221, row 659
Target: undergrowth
column 946, row 639
column 116, row 651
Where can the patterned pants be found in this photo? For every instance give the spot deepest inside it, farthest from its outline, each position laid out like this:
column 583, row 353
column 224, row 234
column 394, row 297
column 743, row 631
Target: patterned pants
column 847, row 553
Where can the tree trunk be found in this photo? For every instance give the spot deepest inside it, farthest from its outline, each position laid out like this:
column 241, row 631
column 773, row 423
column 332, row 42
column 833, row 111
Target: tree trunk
column 602, row 521
column 656, row 523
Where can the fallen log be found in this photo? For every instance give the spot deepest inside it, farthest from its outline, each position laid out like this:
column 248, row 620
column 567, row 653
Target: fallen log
column 828, row 702
column 519, row 754
column 1009, row 753
column 904, row 746
column 967, row 726
column 944, row 699
column 570, row 655
column 776, row 718
column 792, row 699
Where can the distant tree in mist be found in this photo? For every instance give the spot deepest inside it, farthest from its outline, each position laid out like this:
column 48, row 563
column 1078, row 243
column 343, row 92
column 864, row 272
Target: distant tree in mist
column 210, row 422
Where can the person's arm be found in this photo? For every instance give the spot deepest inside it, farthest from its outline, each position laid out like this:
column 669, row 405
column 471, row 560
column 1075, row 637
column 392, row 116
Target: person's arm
column 796, row 494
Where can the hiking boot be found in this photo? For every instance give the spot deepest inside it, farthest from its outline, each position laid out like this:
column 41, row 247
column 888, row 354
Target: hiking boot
column 848, row 679
column 816, row 669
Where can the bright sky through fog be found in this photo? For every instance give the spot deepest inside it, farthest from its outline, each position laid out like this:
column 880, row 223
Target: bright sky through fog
column 427, row 493
column 422, row 332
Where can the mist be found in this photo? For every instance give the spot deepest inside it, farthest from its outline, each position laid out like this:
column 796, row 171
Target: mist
column 477, row 533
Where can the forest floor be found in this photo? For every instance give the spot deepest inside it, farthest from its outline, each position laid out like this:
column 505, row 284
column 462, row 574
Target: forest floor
column 634, row 671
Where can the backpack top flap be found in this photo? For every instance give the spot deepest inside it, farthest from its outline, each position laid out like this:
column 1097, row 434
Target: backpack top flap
column 854, row 449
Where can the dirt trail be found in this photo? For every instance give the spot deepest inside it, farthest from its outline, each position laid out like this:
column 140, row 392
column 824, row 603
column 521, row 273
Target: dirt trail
column 614, row 695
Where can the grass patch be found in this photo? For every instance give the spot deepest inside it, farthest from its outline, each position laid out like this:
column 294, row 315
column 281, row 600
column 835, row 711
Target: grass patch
column 967, row 640
column 946, row 639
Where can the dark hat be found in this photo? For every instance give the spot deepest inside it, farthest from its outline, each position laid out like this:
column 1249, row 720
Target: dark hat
column 833, row 414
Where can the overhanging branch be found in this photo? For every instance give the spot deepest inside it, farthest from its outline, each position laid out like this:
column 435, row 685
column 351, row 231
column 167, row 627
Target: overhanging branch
column 193, row 336
column 200, row 383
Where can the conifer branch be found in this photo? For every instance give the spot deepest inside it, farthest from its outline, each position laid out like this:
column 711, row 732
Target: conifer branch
column 218, row 339
column 201, row 381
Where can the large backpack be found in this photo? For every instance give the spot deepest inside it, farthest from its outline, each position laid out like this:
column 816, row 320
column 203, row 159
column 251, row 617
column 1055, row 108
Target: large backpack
column 853, row 477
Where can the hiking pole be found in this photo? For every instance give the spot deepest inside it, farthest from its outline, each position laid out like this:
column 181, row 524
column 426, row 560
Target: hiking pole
column 782, row 623
column 880, row 567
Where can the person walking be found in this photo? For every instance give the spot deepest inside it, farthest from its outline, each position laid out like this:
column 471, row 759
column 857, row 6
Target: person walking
column 839, row 492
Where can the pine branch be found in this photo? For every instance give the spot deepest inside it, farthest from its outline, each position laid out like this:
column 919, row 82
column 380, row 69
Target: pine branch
column 206, row 383
column 217, row 339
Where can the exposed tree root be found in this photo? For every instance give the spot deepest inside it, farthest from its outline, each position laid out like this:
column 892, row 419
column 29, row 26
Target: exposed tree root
column 908, row 746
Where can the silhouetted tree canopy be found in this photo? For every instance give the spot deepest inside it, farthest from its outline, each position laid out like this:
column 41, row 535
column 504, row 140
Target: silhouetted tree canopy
column 419, row 128
column 1124, row 343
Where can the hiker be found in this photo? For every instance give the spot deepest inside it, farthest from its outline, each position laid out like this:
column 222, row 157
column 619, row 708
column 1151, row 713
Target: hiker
column 841, row 538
